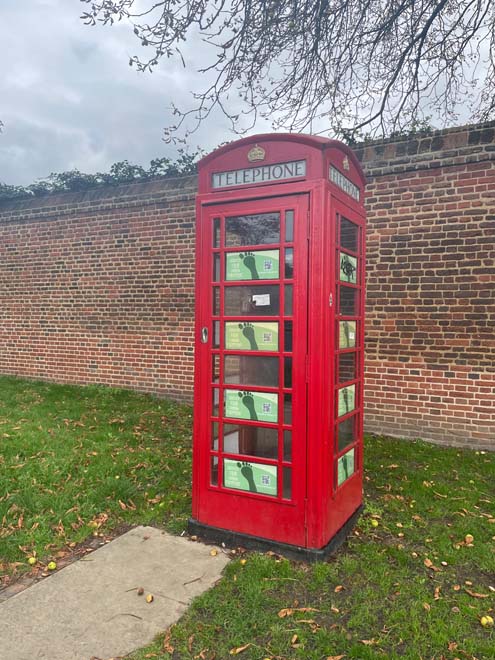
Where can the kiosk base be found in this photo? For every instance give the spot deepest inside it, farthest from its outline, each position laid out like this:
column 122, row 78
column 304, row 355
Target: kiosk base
column 236, row 539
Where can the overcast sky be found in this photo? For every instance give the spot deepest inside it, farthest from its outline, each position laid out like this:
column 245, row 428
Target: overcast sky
column 69, row 99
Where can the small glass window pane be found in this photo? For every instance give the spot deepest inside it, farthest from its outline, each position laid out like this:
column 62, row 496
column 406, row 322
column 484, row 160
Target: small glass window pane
column 287, row 484
column 216, row 368
column 259, row 229
column 288, row 300
column 347, row 367
column 345, row 467
column 346, row 432
column 348, row 268
column 250, row 441
column 216, row 232
column 348, row 235
column 252, row 265
column 216, row 268
column 348, row 301
column 289, row 263
column 287, row 445
column 288, row 372
column 215, row 401
column 214, row 436
column 255, row 336
column 289, row 226
column 216, row 301
column 214, row 471
column 347, row 400
column 287, row 336
column 252, row 300
column 251, row 370
column 347, row 334
column 216, row 334
column 287, row 409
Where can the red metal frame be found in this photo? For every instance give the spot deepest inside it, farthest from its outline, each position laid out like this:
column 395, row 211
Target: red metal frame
column 318, row 507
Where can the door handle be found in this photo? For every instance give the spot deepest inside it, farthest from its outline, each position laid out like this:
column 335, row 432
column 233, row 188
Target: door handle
column 204, row 334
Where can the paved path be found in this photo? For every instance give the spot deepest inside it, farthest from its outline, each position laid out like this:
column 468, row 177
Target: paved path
column 91, row 607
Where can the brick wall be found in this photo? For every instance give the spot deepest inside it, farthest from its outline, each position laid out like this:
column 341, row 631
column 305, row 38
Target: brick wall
column 97, row 287
column 430, row 344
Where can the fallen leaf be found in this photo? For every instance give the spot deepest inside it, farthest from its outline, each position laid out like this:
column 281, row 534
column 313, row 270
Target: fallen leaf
column 289, row 611
column 476, row 595
column 469, row 538
column 190, row 643
column 213, row 552
column 239, row 649
column 335, row 657
column 166, row 643
column 369, row 642
column 426, row 607
column 149, row 598
column 429, row 564
column 437, row 593
column 338, row 588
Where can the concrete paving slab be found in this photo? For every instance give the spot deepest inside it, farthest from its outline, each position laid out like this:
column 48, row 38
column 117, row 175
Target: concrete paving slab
column 91, row 607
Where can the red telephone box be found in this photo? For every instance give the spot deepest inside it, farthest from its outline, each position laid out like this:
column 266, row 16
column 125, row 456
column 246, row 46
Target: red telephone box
column 279, row 344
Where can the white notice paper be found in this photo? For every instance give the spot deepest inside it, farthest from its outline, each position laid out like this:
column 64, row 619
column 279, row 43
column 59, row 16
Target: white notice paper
column 261, row 300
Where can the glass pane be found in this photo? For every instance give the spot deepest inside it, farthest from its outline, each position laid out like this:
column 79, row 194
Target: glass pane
column 251, row 370
column 347, row 334
column 250, row 477
column 214, row 471
column 288, row 372
column 216, row 399
column 348, row 301
column 347, row 367
column 250, row 440
column 287, row 409
column 287, row 485
column 214, row 436
column 348, row 268
column 252, row 300
column 216, row 232
column 287, row 336
column 256, row 265
column 288, row 300
column 256, row 336
column 289, row 263
column 256, row 406
column 287, row 445
column 216, row 368
column 216, row 268
column 216, row 301
column 289, row 226
column 348, row 234
column 346, row 432
column 259, row 229
column 345, row 467
column 216, row 334
column 347, row 400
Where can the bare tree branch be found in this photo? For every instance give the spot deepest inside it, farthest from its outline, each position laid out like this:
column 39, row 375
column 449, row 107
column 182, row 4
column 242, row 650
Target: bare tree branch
column 380, row 64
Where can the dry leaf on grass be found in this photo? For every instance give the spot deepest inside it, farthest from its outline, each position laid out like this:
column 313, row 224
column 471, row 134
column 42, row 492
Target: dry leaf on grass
column 369, row 642
column 239, row 649
column 289, row 611
column 335, row 657
column 474, row 594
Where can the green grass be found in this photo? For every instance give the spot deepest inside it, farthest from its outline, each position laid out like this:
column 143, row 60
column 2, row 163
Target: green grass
column 80, row 461
column 70, row 454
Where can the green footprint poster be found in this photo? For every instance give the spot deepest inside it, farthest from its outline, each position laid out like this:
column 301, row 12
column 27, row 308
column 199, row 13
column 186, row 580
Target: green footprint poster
column 259, row 265
column 245, row 336
column 345, row 467
column 251, row 477
column 257, row 406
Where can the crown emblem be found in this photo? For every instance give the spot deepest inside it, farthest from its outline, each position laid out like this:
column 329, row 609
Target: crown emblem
column 256, row 153
column 345, row 163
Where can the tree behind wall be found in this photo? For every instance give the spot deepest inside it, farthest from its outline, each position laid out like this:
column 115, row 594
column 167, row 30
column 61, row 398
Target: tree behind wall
column 382, row 64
